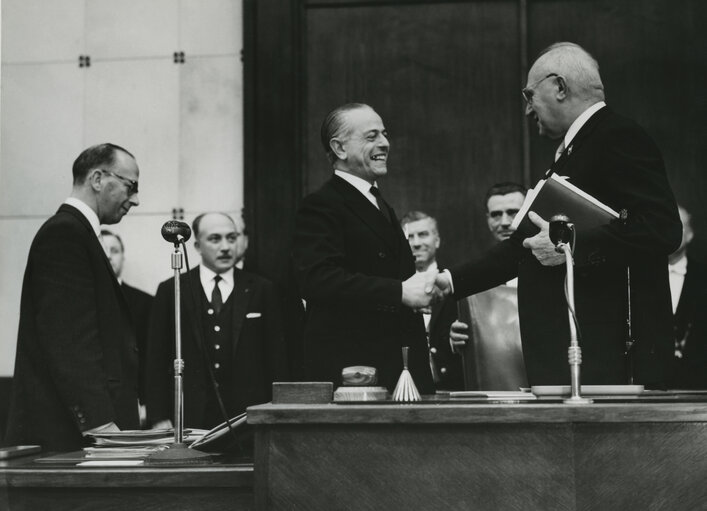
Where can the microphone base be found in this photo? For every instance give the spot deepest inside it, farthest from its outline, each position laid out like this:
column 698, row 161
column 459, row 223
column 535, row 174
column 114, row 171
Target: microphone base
column 578, row 400
column 179, row 454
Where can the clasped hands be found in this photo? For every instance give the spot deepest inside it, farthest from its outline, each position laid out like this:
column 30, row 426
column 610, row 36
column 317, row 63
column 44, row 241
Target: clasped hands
column 425, row 288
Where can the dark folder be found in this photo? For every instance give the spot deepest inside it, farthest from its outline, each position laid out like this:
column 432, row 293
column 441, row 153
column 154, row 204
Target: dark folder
column 556, row 195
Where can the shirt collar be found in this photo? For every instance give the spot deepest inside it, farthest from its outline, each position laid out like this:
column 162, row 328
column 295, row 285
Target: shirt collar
column 87, row 212
column 581, row 120
column 206, row 276
column 360, row 184
column 432, row 266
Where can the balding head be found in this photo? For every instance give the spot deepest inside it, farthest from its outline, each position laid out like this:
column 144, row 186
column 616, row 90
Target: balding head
column 576, row 65
column 562, row 83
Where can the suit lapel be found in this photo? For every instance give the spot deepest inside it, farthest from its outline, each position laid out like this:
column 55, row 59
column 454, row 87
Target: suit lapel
column 588, row 127
column 367, row 212
column 241, row 297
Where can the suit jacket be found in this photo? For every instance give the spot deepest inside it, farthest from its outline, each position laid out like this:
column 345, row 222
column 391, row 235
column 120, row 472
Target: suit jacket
column 139, row 304
column 614, row 160
column 257, row 350
column 76, row 363
column 690, row 324
column 349, row 262
column 448, row 364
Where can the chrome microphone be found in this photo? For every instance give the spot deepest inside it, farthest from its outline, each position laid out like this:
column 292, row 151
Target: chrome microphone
column 561, row 231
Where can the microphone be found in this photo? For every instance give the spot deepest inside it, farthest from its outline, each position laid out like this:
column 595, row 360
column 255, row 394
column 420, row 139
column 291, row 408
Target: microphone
column 561, row 230
column 175, row 231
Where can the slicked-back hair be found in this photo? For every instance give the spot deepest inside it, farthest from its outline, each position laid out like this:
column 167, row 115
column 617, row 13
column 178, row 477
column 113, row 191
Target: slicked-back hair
column 503, row 188
column 414, row 216
column 106, row 232
column 197, row 222
column 95, row 156
column 333, row 126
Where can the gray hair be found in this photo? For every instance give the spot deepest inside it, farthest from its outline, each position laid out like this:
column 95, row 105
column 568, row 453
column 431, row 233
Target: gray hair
column 576, row 65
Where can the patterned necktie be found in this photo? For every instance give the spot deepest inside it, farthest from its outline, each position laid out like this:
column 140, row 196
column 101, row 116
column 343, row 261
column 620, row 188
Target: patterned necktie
column 216, row 298
column 382, row 205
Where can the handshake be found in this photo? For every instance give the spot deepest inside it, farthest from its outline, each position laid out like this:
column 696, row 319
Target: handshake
column 425, row 288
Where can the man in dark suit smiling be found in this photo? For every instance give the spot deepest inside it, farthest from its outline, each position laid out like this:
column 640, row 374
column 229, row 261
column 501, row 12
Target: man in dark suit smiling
column 231, row 333
column 613, row 159
column 76, row 363
column 354, row 266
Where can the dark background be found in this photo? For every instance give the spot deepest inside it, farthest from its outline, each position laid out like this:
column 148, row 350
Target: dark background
column 445, row 76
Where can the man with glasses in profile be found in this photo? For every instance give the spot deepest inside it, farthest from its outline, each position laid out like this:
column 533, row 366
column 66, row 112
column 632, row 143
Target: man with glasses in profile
column 613, row 159
column 76, row 368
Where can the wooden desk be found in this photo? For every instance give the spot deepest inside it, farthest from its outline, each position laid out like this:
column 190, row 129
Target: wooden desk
column 26, row 485
column 449, row 456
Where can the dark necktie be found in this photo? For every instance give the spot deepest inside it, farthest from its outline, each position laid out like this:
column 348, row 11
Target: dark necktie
column 216, row 298
column 382, row 205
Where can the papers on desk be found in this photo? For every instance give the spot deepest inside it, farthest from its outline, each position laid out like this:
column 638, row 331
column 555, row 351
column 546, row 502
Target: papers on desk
column 494, row 395
column 111, row 463
column 140, row 437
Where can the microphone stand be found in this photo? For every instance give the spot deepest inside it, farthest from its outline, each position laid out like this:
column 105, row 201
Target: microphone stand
column 574, row 352
column 178, row 453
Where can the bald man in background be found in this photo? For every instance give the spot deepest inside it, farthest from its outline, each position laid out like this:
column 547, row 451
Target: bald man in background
column 231, row 333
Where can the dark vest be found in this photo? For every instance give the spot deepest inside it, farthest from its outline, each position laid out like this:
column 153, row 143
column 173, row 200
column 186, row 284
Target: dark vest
column 218, row 338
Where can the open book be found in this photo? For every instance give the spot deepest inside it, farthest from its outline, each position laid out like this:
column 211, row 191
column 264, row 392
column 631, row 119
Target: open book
column 556, row 195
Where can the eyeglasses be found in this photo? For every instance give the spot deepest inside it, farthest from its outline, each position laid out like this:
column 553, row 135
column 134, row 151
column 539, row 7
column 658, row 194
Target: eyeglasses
column 528, row 91
column 132, row 184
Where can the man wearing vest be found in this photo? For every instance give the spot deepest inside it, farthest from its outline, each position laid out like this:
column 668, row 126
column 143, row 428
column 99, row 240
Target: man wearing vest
column 231, row 333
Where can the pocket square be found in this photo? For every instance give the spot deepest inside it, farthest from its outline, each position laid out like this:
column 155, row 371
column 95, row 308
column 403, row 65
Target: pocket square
column 253, row 315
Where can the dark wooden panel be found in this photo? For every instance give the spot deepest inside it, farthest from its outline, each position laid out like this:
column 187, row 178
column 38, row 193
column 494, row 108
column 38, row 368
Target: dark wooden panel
column 395, row 467
column 444, row 77
column 652, row 55
column 595, row 457
column 271, row 152
column 72, row 499
column 664, row 465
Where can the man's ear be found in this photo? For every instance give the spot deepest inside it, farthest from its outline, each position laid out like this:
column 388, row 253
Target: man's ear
column 337, row 147
column 197, row 247
column 95, row 179
column 562, row 89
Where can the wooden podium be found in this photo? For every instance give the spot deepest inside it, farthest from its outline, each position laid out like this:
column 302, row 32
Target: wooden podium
column 460, row 456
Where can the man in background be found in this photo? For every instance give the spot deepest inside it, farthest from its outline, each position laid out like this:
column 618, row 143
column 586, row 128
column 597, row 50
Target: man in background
column 232, row 340
column 353, row 265
column 138, row 301
column 423, row 236
column 76, row 368
column 688, row 290
column 497, row 352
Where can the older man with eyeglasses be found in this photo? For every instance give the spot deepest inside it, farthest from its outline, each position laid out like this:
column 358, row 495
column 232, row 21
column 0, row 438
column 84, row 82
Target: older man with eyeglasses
column 76, row 368
column 613, row 159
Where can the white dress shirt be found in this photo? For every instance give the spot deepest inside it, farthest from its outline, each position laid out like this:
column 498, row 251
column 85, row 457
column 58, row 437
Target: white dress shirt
column 206, row 276
column 676, row 275
column 361, row 185
column 86, row 211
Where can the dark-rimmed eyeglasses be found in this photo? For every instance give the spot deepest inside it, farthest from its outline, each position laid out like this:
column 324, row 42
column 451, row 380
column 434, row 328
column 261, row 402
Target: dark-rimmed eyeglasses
column 132, row 184
column 529, row 90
